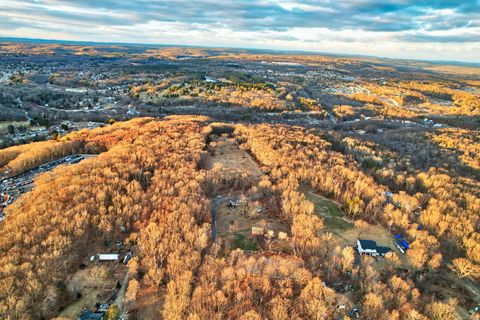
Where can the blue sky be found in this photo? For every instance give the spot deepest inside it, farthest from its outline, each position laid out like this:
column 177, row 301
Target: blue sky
column 435, row 29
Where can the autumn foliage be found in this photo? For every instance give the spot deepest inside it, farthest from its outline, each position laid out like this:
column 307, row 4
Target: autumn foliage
column 149, row 180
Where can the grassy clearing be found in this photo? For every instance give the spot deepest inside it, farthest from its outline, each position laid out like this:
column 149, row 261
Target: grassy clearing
column 332, row 214
column 240, row 241
column 88, row 300
column 335, row 222
column 226, row 152
column 4, row 125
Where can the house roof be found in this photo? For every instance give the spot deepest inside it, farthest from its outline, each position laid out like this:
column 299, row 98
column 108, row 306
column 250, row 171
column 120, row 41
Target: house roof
column 89, row 315
column 383, row 250
column 368, row 244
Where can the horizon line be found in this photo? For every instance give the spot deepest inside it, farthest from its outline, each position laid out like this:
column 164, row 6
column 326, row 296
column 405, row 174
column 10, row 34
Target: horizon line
column 463, row 63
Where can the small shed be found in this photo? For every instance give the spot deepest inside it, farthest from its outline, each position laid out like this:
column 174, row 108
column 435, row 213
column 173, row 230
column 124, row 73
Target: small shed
column 103, row 307
column 270, row 234
column 127, row 257
column 257, row 231
column 282, row 235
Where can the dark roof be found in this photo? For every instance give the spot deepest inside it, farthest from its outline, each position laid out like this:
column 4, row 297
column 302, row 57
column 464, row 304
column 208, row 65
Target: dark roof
column 368, row 244
column 89, row 315
column 383, row 250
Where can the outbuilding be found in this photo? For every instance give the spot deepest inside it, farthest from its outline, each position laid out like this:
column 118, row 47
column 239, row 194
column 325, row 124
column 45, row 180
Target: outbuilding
column 257, row 231
column 108, row 257
column 127, row 257
column 402, row 245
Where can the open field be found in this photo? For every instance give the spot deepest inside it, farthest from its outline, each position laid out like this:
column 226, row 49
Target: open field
column 234, row 223
column 88, row 300
column 331, row 212
column 224, row 151
column 4, row 125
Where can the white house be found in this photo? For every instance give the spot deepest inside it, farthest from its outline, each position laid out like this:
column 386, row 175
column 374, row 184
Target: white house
column 370, row 247
column 367, row 247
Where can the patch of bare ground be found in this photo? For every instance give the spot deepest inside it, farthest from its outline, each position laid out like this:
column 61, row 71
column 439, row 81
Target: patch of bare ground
column 234, row 223
column 240, row 175
column 225, row 151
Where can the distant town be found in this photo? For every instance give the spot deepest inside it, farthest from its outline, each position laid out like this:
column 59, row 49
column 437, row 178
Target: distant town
column 148, row 182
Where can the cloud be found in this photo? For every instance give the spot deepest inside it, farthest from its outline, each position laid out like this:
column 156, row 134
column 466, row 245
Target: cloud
column 254, row 23
column 457, row 35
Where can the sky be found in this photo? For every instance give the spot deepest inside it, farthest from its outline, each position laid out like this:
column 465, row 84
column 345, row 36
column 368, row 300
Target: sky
column 412, row 29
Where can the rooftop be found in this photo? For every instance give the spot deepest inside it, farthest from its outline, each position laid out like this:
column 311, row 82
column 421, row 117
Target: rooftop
column 368, row 244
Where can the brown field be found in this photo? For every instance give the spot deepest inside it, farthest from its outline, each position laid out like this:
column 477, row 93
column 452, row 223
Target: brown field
column 226, row 152
column 88, row 300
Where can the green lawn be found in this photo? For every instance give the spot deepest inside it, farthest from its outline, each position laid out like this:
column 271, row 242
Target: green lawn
column 240, row 241
column 88, row 300
column 331, row 213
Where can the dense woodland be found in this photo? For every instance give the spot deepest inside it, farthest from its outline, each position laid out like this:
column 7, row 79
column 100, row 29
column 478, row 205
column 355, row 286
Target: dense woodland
column 148, row 180
column 131, row 184
column 262, row 96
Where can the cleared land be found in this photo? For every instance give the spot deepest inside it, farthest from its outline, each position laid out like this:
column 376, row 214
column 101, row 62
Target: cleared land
column 331, row 212
column 234, row 223
column 226, row 152
column 337, row 223
column 95, row 284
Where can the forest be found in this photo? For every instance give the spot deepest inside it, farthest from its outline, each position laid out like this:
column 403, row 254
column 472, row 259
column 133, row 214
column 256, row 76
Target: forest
column 150, row 187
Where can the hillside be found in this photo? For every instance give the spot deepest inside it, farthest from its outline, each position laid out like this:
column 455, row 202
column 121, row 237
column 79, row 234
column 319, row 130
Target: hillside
column 237, row 221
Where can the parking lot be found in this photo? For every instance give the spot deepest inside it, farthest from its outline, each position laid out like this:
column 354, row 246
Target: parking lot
column 11, row 188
